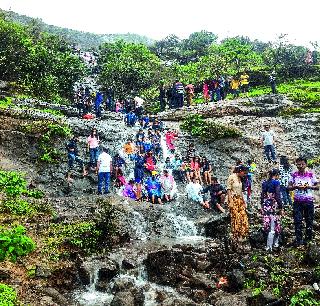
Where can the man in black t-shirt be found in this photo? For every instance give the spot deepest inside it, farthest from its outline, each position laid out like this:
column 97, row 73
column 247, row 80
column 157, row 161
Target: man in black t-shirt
column 217, row 195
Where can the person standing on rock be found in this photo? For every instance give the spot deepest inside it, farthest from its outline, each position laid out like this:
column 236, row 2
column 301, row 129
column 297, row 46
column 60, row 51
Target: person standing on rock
column 73, row 156
column 303, row 182
column 237, row 205
column 93, row 148
column 104, row 170
column 272, row 209
column 244, row 83
column 268, row 143
column 179, row 94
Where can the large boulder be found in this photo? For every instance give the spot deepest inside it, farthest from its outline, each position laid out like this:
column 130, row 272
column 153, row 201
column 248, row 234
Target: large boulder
column 124, row 298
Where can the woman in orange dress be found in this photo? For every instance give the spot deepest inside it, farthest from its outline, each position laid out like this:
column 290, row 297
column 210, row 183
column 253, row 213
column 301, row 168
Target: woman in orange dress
column 237, row 205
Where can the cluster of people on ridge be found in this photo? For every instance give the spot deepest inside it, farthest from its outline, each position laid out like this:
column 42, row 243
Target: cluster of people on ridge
column 156, row 167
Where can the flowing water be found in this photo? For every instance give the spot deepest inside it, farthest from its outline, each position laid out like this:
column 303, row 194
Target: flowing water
column 172, row 228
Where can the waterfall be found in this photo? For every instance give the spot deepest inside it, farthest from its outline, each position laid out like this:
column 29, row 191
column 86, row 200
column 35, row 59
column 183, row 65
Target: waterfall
column 180, row 226
column 90, row 296
column 165, row 152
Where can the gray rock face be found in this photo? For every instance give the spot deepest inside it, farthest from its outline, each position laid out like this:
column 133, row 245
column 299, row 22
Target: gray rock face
column 124, row 298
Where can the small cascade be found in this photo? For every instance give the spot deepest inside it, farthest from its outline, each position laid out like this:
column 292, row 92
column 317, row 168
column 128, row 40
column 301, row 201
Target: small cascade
column 180, row 226
column 139, row 226
column 165, row 151
column 90, row 296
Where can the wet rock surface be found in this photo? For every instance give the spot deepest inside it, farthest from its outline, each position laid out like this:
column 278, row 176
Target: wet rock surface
column 178, row 253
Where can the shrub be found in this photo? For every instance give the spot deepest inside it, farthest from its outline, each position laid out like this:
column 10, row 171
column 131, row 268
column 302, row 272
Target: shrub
column 16, row 206
column 84, row 236
column 8, row 295
column 12, row 183
column 304, row 298
column 15, row 243
column 208, row 130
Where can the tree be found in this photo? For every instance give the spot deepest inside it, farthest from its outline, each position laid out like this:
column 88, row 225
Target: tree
column 196, row 46
column 43, row 64
column 238, row 55
column 128, row 68
column 167, row 49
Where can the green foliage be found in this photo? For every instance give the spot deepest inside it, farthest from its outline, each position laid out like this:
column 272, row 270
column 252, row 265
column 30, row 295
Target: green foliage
column 256, row 286
column 5, row 102
column 42, row 64
column 12, row 183
column 15, row 243
column 49, row 153
column 16, row 206
column 314, row 162
column 49, row 133
column 304, row 298
column 8, row 296
column 85, row 40
column 83, row 236
column 127, row 67
column 208, row 130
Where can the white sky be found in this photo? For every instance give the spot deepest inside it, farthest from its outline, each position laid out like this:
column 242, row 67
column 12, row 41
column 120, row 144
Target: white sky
column 262, row 19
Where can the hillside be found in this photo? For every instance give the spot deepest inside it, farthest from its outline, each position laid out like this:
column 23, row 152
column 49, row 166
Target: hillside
column 85, row 40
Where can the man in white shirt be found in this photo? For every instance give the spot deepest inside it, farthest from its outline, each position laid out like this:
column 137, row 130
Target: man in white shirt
column 104, row 166
column 268, row 143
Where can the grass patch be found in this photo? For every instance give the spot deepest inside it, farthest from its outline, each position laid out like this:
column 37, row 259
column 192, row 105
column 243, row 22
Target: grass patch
column 207, row 130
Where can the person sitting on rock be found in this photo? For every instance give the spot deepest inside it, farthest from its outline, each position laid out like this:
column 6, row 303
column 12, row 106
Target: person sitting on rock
column 120, row 179
column 167, row 185
column 153, row 187
column 194, row 191
column 73, row 156
column 178, row 171
column 129, row 190
column 217, row 195
column 150, row 162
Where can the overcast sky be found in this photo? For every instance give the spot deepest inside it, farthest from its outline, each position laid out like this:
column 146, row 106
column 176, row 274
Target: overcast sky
column 262, row 19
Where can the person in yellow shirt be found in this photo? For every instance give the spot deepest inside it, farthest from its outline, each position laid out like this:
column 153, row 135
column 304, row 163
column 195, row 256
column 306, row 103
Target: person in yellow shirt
column 244, row 82
column 234, row 85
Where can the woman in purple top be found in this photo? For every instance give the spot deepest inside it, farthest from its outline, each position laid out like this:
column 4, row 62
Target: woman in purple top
column 272, row 209
column 129, row 191
column 303, row 182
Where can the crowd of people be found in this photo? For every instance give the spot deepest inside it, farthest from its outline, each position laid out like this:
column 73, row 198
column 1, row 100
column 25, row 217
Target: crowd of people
column 149, row 168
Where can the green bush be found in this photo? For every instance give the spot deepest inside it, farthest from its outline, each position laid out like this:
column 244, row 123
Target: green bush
column 16, row 206
column 84, row 236
column 8, row 295
column 208, row 130
column 15, row 243
column 304, row 298
column 12, row 183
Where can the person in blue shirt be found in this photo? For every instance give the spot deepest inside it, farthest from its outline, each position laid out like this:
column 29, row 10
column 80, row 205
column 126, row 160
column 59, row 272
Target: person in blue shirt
column 97, row 104
column 131, row 119
column 153, row 187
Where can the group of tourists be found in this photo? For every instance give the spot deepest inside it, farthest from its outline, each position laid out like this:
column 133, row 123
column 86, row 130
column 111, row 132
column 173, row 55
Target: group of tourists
column 178, row 95
column 149, row 168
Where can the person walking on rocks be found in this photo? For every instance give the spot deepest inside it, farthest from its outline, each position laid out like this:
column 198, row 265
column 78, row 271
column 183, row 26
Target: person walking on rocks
column 268, row 143
column 272, row 209
column 237, row 205
column 303, row 182
column 73, row 156
column 104, row 170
